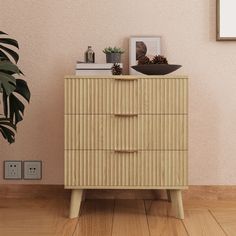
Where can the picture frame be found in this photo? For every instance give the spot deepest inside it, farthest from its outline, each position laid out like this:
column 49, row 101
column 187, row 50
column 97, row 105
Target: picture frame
column 142, row 46
column 225, row 19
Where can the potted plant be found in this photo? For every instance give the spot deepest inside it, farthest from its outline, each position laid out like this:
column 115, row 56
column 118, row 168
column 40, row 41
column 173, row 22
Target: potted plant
column 113, row 55
column 12, row 89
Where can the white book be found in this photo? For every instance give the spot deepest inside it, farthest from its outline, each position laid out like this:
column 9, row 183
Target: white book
column 94, row 68
column 93, row 72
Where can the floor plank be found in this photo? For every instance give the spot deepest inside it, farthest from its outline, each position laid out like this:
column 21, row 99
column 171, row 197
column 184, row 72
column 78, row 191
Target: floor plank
column 48, row 216
column 159, row 222
column 65, row 226
column 96, row 218
column 227, row 220
column 201, row 223
column 38, row 217
column 130, row 218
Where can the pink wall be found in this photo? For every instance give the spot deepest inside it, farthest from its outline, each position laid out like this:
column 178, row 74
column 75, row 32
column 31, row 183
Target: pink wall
column 54, row 34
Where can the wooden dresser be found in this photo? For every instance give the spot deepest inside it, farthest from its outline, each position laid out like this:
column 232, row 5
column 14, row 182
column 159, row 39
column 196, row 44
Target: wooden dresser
column 126, row 132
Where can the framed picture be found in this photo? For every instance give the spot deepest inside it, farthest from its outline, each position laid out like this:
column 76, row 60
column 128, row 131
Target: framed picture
column 143, row 46
column 226, row 19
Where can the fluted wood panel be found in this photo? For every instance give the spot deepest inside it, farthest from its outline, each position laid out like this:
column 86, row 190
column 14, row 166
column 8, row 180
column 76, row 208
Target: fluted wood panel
column 108, row 132
column 147, row 95
column 111, row 132
column 162, row 132
column 125, row 96
column 89, row 96
column 163, row 95
column 89, row 169
column 126, row 132
column 101, row 96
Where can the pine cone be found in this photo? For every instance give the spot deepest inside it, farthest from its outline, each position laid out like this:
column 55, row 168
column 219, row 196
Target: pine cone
column 159, row 60
column 116, row 69
column 144, row 60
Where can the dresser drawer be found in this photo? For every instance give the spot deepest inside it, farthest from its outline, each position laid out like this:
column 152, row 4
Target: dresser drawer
column 131, row 132
column 109, row 169
column 101, row 96
column 131, row 95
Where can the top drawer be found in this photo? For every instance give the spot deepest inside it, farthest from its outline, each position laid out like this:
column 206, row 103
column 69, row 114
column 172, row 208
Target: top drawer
column 126, row 95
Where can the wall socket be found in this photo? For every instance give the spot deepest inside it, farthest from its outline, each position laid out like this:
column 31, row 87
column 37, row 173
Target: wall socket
column 12, row 170
column 33, row 170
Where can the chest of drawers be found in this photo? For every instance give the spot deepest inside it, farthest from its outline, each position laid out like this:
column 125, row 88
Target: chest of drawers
column 126, row 132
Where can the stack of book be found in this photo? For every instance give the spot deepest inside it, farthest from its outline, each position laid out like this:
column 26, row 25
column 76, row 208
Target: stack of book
column 94, row 68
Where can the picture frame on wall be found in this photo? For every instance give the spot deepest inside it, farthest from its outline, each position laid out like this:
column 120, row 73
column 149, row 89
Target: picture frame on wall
column 226, row 18
column 142, row 46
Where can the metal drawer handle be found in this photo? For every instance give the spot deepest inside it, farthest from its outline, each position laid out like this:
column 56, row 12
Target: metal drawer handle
column 116, row 114
column 126, row 151
column 125, row 79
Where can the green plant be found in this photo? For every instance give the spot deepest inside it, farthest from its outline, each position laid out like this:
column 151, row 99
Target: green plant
column 113, row 50
column 12, row 89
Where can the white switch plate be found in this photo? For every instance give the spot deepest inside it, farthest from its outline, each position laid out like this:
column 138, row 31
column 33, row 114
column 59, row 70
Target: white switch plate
column 33, row 170
column 12, row 170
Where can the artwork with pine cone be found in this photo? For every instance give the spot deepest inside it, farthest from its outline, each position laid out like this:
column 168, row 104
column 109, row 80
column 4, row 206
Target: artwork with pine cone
column 116, row 69
column 158, row 59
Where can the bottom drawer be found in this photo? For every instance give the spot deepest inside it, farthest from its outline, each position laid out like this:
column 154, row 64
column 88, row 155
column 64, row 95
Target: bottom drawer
column 109, row 169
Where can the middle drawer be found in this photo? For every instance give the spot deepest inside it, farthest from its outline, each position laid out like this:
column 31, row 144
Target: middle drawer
column 126, row 133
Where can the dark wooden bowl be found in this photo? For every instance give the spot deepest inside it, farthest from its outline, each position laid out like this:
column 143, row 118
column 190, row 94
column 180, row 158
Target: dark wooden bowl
column 156, row 69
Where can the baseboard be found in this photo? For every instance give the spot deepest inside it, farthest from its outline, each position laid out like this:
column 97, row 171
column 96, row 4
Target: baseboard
column 211, row 192
column 214, row 192
column 32, row 191
column 198, row 192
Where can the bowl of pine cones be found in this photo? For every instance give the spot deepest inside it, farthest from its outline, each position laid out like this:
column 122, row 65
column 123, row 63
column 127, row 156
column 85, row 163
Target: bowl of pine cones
column 157, row 66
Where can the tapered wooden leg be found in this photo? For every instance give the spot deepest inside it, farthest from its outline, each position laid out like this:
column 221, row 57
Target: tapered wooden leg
column 177, row 203
column 168, row 195
column 75, row 202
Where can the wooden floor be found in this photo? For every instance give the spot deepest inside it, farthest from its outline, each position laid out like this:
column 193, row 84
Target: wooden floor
column 47, row 216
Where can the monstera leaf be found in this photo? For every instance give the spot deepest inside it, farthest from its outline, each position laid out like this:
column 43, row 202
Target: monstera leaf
column 11, row 88
column 7, row 129
column 16, row 106
column 5, row 51
column 7, row 80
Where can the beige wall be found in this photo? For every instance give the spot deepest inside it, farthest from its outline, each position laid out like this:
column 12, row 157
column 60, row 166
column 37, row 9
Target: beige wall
column 53, row 34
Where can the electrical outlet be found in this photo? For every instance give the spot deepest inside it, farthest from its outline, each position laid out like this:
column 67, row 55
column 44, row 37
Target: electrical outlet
column 12, row 170
column 32, row 169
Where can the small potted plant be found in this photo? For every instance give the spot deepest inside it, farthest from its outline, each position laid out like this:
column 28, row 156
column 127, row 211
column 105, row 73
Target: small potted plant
column 113, row 55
